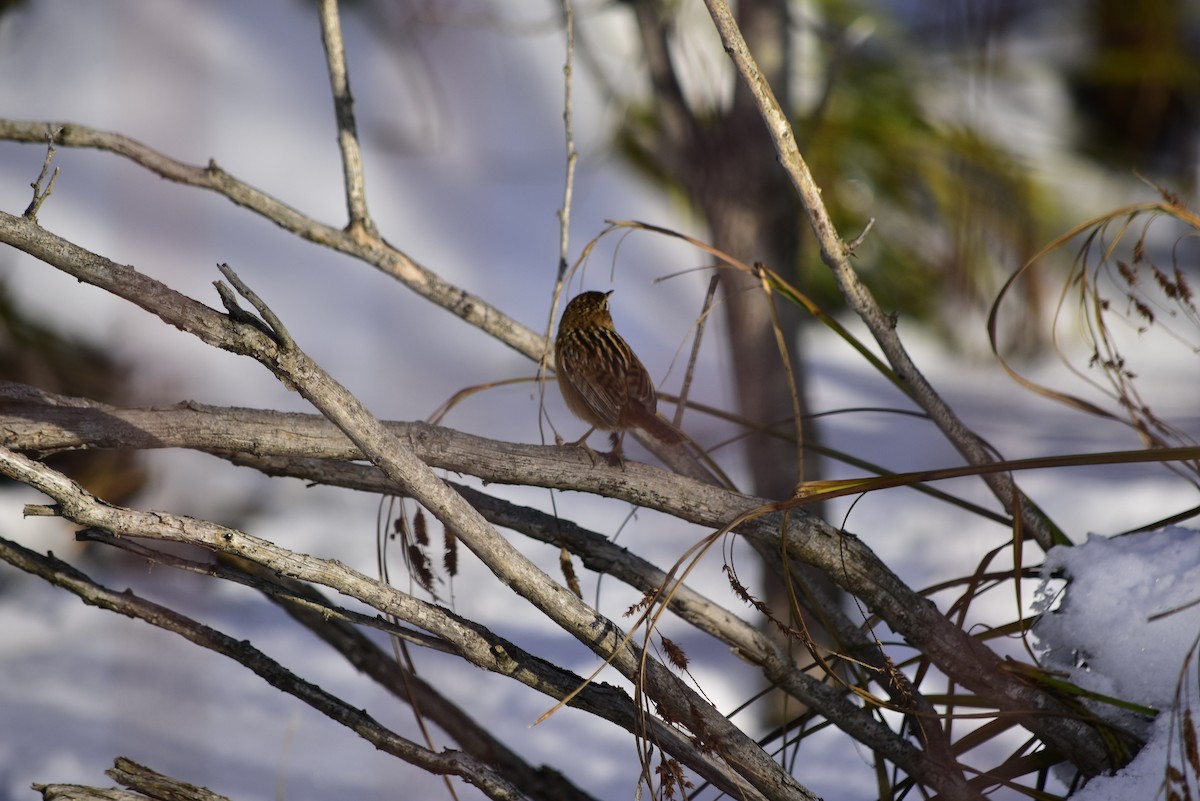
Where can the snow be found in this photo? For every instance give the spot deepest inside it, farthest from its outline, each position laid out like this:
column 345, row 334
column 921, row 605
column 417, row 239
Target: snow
column 465, row 185
column 1133, row 590
column 1126, row 626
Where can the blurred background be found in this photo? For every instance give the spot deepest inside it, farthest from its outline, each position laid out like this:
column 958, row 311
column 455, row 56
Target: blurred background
column 972, row 133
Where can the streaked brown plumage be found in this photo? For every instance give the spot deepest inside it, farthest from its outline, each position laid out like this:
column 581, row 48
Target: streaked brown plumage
column 603, row 382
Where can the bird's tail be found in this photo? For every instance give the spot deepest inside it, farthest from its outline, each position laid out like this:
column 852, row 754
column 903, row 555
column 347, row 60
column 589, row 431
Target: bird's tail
column 660, row 429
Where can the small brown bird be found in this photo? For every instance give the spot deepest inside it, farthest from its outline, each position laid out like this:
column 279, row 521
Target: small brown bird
column 603, row 382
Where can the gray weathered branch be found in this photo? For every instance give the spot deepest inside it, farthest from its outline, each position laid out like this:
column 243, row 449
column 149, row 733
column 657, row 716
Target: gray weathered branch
column 849, row 562
column 309, row 447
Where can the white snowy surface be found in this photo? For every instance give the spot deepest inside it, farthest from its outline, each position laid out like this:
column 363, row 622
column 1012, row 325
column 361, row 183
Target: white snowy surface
column 1141, row 591
column 466, row 181
column 1126, row 626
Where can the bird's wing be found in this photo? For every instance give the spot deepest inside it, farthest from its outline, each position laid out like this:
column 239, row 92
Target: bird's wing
column 602, row 391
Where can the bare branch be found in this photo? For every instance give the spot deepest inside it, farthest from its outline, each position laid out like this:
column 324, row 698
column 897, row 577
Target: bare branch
column 360, row 227
column 564, row 214
column 849, row 562
column 309, row 445
column 376, row 252
column 40, row 194
column 78, row 792
column 156, row 785
column 689, row 371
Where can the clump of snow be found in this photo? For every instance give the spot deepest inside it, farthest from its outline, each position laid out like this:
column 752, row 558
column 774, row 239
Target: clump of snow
column 1124, row 625
column 1105, row 633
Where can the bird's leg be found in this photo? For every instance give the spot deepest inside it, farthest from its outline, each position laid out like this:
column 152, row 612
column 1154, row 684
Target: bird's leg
column 582, row 443
column 616, row 456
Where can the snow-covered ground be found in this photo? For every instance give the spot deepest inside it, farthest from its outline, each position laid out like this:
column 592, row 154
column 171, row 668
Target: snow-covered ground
column 468, row 183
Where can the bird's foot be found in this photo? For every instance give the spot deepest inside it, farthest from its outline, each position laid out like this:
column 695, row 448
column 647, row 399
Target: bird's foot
column 582, row 443
column 616, row 457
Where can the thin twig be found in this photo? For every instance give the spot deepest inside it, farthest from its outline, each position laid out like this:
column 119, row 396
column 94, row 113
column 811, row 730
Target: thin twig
column 689, row 373
column 360, row 226
column 401, row 666
column 854, row 243
column 40, row 195
column 564, row 214
column 275, row 326
column 785, row 359
column 362, row 652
